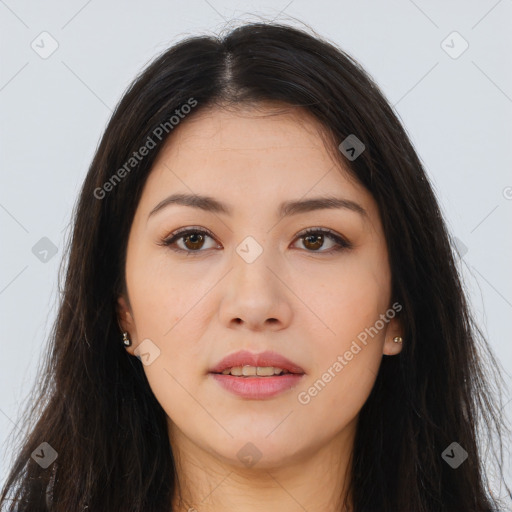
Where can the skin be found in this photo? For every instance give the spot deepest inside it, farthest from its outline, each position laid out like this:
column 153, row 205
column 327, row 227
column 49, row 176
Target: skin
column 196, row 309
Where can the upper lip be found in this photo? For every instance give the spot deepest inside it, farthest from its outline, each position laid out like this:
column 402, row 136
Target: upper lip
column 245, row 358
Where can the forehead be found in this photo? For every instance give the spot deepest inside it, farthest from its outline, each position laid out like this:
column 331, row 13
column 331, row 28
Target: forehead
column 262, row 154
column 265, row 129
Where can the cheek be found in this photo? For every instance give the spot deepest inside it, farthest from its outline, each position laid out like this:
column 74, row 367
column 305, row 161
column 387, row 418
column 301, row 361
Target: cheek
column 345, row 366
column 346, row 296
column 166, row 306
column 161, row 292
column 348, row 353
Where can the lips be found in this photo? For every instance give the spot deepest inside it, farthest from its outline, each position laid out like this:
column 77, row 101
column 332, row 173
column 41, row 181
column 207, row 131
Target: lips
column 263, row 359
column 254, row 387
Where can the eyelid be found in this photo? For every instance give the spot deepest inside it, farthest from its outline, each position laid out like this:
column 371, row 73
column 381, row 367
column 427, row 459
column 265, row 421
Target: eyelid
column 187, row 229
column 179, row 233
column 341, row 240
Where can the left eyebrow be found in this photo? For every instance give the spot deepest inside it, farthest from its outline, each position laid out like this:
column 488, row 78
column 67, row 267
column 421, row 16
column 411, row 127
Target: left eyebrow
column 286, row 209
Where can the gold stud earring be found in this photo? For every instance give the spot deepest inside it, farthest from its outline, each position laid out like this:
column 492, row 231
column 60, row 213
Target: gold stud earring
column 126, row 341
column 397, row 339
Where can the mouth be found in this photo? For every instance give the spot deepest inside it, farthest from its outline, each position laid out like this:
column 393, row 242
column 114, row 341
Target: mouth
column 264, row 364
column 255, row 371
column 257, row 376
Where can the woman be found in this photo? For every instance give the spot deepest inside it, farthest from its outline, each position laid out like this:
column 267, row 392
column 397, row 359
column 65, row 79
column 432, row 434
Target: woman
column 261, row 307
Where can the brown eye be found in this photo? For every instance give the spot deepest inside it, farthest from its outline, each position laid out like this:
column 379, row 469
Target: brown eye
column 192, row 241
column 313, row 239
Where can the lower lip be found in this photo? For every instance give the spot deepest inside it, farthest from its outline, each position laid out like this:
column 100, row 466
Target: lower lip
column 258, row 388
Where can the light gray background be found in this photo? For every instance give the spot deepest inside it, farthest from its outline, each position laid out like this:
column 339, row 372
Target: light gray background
column 53, row 111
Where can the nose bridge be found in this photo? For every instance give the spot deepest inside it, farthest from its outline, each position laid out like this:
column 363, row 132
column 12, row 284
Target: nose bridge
column 254, row 293
column 251, row 262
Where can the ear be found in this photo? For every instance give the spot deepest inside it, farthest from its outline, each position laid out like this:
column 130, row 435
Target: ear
column 394, row 329
column 126, row 321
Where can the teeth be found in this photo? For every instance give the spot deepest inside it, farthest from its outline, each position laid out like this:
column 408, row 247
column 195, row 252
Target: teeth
column 247, row 371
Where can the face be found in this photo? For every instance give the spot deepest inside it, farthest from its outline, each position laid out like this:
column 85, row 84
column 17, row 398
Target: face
column 249, row 277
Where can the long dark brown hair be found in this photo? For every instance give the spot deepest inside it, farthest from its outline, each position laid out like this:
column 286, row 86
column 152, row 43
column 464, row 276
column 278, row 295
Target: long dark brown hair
column 92, row 402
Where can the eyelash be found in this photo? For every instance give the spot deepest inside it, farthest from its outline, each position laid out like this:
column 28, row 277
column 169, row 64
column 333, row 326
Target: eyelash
column 342, row 244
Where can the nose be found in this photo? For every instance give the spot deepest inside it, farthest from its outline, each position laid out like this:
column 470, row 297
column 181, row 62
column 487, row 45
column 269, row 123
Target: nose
column 256, row 296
